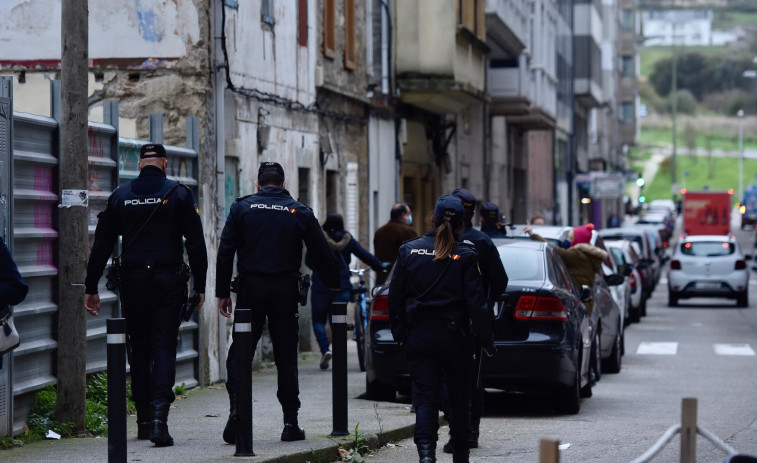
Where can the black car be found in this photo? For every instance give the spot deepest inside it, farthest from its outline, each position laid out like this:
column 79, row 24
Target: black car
column 542, row 328
column 541, row 331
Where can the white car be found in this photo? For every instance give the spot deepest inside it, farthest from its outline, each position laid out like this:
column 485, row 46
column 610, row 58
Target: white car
column 708, row 266
column 626, row 255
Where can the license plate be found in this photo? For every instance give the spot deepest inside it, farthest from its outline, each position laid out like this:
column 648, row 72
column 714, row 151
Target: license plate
column 707, row 285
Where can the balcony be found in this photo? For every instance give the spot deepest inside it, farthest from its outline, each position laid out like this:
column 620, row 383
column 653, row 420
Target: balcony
column 507, row 25
column 587, row 55
column 441, row 63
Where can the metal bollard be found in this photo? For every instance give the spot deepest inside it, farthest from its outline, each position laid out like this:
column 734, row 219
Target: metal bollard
column 339, row 368
column 116, row 340
column 243, row 353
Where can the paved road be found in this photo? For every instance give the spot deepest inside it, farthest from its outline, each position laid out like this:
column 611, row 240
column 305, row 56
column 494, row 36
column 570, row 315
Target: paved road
column 704, row 349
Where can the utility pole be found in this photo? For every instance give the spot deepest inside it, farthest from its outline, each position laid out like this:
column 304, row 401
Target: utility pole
column 74, row 230
column 675, row 110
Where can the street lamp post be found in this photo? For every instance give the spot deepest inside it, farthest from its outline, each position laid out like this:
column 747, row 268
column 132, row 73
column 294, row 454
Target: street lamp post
column 740, row 113
column 674, row 108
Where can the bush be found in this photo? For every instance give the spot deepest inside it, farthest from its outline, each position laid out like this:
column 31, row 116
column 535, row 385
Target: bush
column 686, row 103
column 701, row 74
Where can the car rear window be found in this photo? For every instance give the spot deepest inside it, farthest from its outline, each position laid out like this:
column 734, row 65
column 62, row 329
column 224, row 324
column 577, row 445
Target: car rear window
column 521, row 263
column 707, row 248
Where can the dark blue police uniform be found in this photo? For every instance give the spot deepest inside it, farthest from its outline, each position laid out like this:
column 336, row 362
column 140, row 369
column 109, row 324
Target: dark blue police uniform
column 266, row 230
column 435, row 329
column 152, row 290
column 492, row 232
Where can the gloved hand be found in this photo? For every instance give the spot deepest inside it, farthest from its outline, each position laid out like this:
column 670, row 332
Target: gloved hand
column 386, row 266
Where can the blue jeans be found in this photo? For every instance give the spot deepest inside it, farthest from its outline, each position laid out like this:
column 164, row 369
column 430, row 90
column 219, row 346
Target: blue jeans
column 321, row 299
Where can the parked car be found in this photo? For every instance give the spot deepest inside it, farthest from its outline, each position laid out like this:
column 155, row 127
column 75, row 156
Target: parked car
column 708, row 266
column 621, row 293
column 542, row 328
column 606, row 318
column 626, row 256
column 638, row 236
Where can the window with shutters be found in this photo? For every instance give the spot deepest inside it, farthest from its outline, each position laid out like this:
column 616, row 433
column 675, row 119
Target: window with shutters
column 471, row 14
column 329, row 29
column 350, row 47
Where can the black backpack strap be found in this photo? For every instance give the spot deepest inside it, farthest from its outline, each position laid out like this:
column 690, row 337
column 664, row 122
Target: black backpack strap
column 418, row 298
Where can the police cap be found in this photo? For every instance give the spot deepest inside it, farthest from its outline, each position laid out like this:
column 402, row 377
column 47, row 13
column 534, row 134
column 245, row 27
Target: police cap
column 152, row 150
column 490, row 212
column 271, row 167
column 449, row 208
column 469, row 201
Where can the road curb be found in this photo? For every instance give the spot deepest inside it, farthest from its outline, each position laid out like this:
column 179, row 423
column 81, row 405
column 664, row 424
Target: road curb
column 331, row 453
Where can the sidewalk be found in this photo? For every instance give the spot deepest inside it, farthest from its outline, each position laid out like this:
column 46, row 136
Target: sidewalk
column 197, row 421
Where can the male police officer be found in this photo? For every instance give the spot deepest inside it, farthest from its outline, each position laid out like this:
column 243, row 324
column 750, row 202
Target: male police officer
column 495, row 283
column 151, row 213
column 266, row 231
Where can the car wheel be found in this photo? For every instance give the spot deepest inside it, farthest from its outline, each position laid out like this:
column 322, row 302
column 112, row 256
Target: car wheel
column 612, row 363
column 672, row 299
column 595, row 365
column 375, row 390
column 742, row 300
column 643, row 308
column 568, row 400
column 359, row 339
column 635, row 314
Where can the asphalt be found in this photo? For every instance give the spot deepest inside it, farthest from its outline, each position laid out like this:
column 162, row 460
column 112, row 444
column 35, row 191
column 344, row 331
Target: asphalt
column 196, row 422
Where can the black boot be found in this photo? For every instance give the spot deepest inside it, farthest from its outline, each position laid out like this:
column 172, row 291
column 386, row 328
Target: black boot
column 448, row 446
column 460, row 456
column 426, row 452
column 144, row 424
column 473, row 439
column 159, row 434
column 292, row 432
column 230, row 431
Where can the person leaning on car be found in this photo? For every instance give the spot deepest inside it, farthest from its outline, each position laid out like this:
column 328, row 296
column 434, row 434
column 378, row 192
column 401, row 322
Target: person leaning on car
column 581, row 258
column 435, row 293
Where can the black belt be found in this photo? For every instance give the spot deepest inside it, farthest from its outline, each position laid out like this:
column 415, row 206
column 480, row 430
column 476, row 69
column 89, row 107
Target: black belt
column 127, row 266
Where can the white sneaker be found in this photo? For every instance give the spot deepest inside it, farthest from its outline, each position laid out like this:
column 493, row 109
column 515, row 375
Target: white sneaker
column 325, row 359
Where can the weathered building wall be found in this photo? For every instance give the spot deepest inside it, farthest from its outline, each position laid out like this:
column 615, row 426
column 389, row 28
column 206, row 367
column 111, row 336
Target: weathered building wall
column 540, row 173
column 470, row 152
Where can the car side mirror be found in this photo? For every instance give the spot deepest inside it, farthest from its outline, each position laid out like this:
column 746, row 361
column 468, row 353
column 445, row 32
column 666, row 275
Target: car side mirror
column 375, row 290
column 614, row 279
column 585, row 293
column 624, row 270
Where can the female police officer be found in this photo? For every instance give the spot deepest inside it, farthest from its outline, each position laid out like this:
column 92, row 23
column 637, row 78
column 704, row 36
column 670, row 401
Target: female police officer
column 435, row 290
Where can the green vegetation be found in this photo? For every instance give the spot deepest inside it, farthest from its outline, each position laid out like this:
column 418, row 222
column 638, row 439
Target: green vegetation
column 648, row 56
column 664, row 137
column 717, row 173
column 727, row 20
column 42, row 417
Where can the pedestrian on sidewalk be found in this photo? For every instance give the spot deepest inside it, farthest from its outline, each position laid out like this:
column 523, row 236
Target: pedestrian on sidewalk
column 344, row 247
column 266, row 231
column 152, row 214
column 390, row 236
column 436, row 292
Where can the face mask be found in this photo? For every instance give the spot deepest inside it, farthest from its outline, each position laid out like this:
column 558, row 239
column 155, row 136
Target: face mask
column 410, row 219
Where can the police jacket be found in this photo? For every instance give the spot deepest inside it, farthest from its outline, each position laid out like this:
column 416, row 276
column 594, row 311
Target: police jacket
column 457, row 296
column 12, row 288
column 495, row 277
column 267, row 231
column 160, row 242
column 492, row 232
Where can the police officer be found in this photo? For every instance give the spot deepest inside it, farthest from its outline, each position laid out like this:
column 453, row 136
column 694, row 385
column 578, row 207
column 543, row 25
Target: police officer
column 435, row 292
column 152, row 214
column 495, row 283
column 266, row 230
column 491, row 221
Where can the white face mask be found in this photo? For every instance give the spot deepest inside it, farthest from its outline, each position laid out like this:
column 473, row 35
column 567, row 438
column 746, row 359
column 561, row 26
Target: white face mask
column 410, row 219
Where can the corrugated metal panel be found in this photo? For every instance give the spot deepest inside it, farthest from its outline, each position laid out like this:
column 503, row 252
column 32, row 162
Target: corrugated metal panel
column 6, row 115
column 35, row 163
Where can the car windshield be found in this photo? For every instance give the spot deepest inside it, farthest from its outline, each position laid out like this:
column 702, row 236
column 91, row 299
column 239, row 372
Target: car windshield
column 707, row 248
column 522, row 263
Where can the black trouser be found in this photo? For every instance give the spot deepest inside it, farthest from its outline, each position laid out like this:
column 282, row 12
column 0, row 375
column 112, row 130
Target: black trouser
column 435, row 352
column 274, row 299
column 151, row 304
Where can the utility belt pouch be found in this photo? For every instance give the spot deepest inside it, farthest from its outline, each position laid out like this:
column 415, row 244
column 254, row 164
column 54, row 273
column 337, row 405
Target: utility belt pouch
column 303, row 283
column 234, row 287
column 183, row 273
column 458, row 327
column 113, row 278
